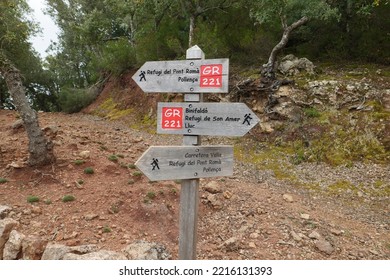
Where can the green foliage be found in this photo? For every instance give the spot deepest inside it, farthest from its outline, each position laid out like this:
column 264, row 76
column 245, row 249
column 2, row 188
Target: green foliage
column 3, row 180
column 151, row 195
column 16, row 28
column 132, row 166
column 68, row 198
column 137, row 174
column 106, row 229
column 89, row 170
column 115, row 57
column 312, row 112
column 104, row 37
column 32, row 199
column 73, row 100
column 79, row 162
column 269, row 11
column 113, row 158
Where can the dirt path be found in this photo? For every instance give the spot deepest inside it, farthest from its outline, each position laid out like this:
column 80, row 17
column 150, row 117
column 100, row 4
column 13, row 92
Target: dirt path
column 251, row 215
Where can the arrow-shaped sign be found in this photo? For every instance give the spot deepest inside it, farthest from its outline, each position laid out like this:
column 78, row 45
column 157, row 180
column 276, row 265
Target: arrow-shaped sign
column 222, row 119
column 186, row 162
column 211, row 75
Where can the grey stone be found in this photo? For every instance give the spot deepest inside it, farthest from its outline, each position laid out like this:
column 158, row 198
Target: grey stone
column 288, row 197
column 336, row 232
column 6, row 226
column 17, row 124
column 305, row 216
column 324, row 246
column 4, row 211
column 315, row 235
column 33, row 247
column 13, row 247
column 90, row 217
column 143, row 250
column 214, row 201
column 99, row 255
column 231, row 244
column 295, row 236
column 213, row 187
column 55, row 251
column 291, row 65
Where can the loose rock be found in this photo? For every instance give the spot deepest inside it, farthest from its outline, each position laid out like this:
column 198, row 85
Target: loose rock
column 100, row 255
column 33, row 247
column 295, row 236
column 213, row 187
column 13, row 247
column 288, row 197
column 324, row 246
column 4, row 211
column 314, row 235
column 6, row 226
column 143, row 250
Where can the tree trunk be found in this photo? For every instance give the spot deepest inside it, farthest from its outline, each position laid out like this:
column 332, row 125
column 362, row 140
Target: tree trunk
column 40, row 149
column 192, row 30
column 269, row 68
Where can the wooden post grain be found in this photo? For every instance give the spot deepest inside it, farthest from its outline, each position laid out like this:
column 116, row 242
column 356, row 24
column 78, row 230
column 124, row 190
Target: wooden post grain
column 189, row 195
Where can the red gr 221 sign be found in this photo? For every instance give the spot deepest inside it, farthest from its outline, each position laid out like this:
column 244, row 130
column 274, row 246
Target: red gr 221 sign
column 172, row 118
column 211, row 75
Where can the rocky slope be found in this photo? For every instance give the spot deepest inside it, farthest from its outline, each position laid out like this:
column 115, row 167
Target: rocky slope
column 281, row 203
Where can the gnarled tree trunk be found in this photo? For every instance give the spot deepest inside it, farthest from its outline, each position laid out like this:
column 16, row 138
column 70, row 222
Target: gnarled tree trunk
column 269, row 70
column 40, row 149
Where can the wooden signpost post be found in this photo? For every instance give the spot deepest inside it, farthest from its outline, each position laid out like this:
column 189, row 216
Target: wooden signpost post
column 191, row 161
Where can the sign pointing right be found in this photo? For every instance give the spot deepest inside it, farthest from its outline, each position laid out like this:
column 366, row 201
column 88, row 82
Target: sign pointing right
column 214, row 119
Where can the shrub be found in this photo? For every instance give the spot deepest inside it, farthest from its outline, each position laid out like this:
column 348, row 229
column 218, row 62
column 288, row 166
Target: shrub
column 32, row 199
column 89, row 170
column 106, row 229
column 68, row 198
column 312, row 112
column 73, row 100
column 132, row 166
column 3, row 180
column 79, row 162
column 113, row 158
column 115, row 57
column 151, row 195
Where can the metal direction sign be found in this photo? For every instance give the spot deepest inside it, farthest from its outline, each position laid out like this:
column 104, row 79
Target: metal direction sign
column 222, row 119
column 186, row 162
column 210, row 75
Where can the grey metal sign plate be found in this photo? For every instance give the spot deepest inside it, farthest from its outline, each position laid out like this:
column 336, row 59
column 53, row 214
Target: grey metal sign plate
column 197, row 76
column 186, row 162
column 214, row 119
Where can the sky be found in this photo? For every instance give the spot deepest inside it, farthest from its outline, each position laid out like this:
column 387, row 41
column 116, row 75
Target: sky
column 49, row 30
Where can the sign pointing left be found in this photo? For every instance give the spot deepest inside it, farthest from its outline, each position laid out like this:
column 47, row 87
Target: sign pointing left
column 197, row 76
column 186, row 162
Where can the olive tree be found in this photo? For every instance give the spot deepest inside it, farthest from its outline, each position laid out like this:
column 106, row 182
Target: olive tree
column 291, row 14
column 15, row 30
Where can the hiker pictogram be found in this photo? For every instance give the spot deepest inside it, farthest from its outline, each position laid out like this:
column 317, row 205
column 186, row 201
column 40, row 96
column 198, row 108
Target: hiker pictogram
column 142, row 76
column 247, row 119
column 155, row 164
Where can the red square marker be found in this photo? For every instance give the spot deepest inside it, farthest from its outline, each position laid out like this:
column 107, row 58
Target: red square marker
column 172, row 118
column 211, row 76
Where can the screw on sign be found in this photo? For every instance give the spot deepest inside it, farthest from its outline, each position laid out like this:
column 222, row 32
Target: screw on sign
column 172, row 118
column 211, row 75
